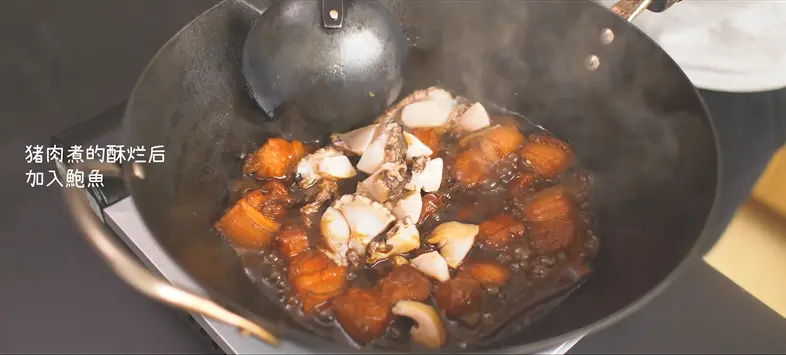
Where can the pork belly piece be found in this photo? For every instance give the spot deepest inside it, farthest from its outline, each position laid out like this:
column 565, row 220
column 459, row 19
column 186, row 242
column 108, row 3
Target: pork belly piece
column 363, row 314
column 459, row 296
column 499, row 231
column 405, row 282
column 276, row 159
column 547, row 155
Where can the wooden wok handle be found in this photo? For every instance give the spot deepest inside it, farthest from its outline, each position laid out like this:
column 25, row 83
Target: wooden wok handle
column 140, row 278
column 630, row 9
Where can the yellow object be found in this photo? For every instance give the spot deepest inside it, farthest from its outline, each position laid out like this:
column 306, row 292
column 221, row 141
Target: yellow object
column 752, row 251
column 771, row 187
column 752, row 254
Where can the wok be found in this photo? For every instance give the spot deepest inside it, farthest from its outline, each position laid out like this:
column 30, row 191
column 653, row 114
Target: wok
column 631, row 115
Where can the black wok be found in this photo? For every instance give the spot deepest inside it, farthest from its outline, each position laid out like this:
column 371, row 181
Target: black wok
column 631, row 115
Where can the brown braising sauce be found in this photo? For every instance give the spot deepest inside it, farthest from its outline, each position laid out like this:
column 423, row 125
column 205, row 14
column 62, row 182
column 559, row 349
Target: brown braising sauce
column 520, row 187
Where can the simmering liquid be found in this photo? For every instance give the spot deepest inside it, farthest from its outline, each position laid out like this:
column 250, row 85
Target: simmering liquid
column 544, row 258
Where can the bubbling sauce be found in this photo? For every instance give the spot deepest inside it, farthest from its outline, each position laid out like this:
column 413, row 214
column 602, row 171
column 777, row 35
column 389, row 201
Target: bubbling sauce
column 517, row 192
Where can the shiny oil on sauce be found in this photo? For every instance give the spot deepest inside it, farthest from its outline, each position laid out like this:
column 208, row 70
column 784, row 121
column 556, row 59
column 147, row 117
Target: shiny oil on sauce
column 534, row 280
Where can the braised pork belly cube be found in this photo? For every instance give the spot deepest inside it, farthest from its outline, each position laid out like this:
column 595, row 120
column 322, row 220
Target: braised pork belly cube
column 484, row 149
column 551, row 236
column 550, row 203
column 470, row 169
column 547, row 155
column 363, row 314
column 488, row 273
column 244, row 226
column 315, row 279
column 405, row 283
column 291, row 241
column 276, row 159
column 499, row 142
column 253, row 220
column 499, row 231
column 459, row 296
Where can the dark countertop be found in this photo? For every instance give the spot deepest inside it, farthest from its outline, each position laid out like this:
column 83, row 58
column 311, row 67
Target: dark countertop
column 63, row 62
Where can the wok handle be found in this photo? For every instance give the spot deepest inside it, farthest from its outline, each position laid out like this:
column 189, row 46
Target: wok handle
column 139, row 277
column 630, row 9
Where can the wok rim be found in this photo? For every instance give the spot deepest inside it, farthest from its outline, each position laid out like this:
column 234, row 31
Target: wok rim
column 290, row 335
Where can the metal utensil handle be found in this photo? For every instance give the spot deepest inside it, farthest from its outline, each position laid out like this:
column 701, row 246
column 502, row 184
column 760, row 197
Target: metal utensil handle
column 630, row 9
column 332, row 13
column 140, row 278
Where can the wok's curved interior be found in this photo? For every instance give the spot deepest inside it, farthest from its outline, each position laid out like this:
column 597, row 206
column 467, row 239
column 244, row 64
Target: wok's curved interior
column 636, row 123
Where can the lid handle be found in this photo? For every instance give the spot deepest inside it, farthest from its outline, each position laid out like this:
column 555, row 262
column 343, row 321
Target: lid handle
column 332, row 13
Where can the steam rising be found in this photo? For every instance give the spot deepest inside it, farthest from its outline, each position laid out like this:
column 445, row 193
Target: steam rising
column 529, row 57
column 623, row 119
column 633, row 122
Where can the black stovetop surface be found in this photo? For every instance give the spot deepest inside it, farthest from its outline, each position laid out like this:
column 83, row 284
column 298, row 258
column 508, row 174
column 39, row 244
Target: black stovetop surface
column 64, row 61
